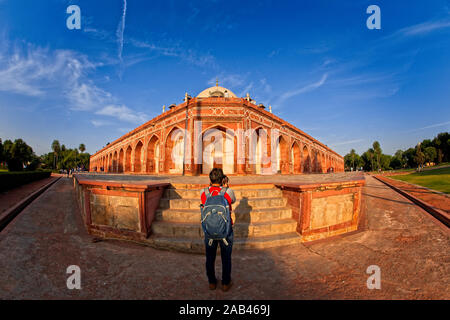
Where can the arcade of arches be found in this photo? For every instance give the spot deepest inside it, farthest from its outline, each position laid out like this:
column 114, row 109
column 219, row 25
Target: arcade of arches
column 223, row 131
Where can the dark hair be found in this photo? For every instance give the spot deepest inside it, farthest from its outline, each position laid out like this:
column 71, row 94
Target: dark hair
column 216, row 175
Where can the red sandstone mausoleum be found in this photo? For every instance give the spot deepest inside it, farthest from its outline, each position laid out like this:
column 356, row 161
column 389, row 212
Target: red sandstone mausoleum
column 223, row 131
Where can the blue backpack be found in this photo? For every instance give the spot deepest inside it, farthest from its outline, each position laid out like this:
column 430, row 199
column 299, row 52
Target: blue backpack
column 215, row 217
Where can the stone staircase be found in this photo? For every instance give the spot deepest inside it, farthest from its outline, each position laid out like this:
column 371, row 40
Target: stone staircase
column 261, row 218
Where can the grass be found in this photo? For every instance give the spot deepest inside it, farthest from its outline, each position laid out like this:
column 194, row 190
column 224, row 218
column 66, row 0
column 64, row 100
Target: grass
column 436, row 179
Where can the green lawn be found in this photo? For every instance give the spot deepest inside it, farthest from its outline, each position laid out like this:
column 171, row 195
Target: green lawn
column 436, row 179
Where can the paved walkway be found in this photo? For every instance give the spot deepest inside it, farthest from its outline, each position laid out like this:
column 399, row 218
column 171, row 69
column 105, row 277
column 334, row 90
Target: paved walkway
column 48, row 236
column 10, row 198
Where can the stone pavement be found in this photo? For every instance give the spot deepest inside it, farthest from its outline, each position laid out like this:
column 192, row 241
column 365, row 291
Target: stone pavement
column 48, row 236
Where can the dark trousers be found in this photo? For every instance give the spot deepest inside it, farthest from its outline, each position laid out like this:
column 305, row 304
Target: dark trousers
column 225, row 253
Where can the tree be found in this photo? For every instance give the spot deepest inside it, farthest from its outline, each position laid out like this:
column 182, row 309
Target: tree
column 385, row 162
column 66, row 158
column 351, row 159
column 430, row 154
column 56, row 151
column 443, row 143
column 377, row 154
column 398, row 161
column 368, row 158
column 1, row 151
column 420, row 156
column 410, row 156
column 18, row 154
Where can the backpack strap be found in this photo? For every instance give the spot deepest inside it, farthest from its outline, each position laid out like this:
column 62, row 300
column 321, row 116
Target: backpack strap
column 207, row 193
column 223, row 191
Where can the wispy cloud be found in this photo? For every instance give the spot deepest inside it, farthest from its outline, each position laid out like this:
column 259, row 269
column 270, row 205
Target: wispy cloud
column 176, row 50
column 346, row 142
column 100, row 123
column 436, row 125
column 292, row 93
column 228, row 80
column 424, row 28
column 62, row 75
column 123, row 113
column 121, row 30
column 420, row 29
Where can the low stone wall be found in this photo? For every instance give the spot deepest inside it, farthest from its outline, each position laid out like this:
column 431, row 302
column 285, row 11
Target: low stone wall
column 117, row 209
column 325, row 209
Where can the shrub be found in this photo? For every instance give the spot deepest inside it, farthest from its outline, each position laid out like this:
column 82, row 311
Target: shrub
column 9, row 180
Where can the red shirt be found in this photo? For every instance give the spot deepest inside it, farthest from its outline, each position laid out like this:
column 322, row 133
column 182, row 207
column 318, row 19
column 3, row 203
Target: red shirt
column 214, row 192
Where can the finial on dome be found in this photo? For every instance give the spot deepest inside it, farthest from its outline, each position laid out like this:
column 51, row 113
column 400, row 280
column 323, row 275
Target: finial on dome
column 217, row 82
column 270, row 109
column 164, row 108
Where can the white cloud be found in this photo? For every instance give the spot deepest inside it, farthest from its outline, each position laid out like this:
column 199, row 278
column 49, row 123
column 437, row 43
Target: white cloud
column 436, row 125
column 84, row 96
column 100, row 123
column 61, row 74
column 292, row 93
column 228, row 80
column 177, row 51
column 346, row 142
column 123, row 113
column 425, row 27
column 121, row 29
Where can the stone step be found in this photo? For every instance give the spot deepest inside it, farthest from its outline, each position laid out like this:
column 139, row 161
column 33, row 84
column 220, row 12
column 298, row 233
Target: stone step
column 239, row 215
column 239, row 193
column 240, row 204
column 197, row 245
column 241, row 230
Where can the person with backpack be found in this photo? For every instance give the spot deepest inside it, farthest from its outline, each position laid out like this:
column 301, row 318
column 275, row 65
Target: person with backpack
column 217, row 226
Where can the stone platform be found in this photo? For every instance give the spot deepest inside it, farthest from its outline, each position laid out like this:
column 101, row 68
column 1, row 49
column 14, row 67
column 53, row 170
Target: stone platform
column 49, row 235
column 270, row 211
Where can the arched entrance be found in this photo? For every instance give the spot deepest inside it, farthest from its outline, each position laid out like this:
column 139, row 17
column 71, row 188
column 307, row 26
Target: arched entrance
column 128, row 159
column 306, row 160
column 218, row 150
column 282, row 156
column 114, row 162
column 138, row 157
column 295, row 156
column 174, row 151
column 153, row 155
column 259, row 147
column 120, row 165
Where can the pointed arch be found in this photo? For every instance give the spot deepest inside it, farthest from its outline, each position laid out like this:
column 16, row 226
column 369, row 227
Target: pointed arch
column 120, row 165
column 128, row 158
column 174, row 151
column 114, row 162
column 296, row 158
column 153, row 154
column 282, row 155
column 219, row 145
column 306, row 159
column 138, row 157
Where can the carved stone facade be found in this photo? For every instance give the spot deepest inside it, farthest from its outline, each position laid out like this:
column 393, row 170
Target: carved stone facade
column 252, row 141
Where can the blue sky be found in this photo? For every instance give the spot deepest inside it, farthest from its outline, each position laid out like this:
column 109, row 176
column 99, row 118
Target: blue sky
column 315, row 62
